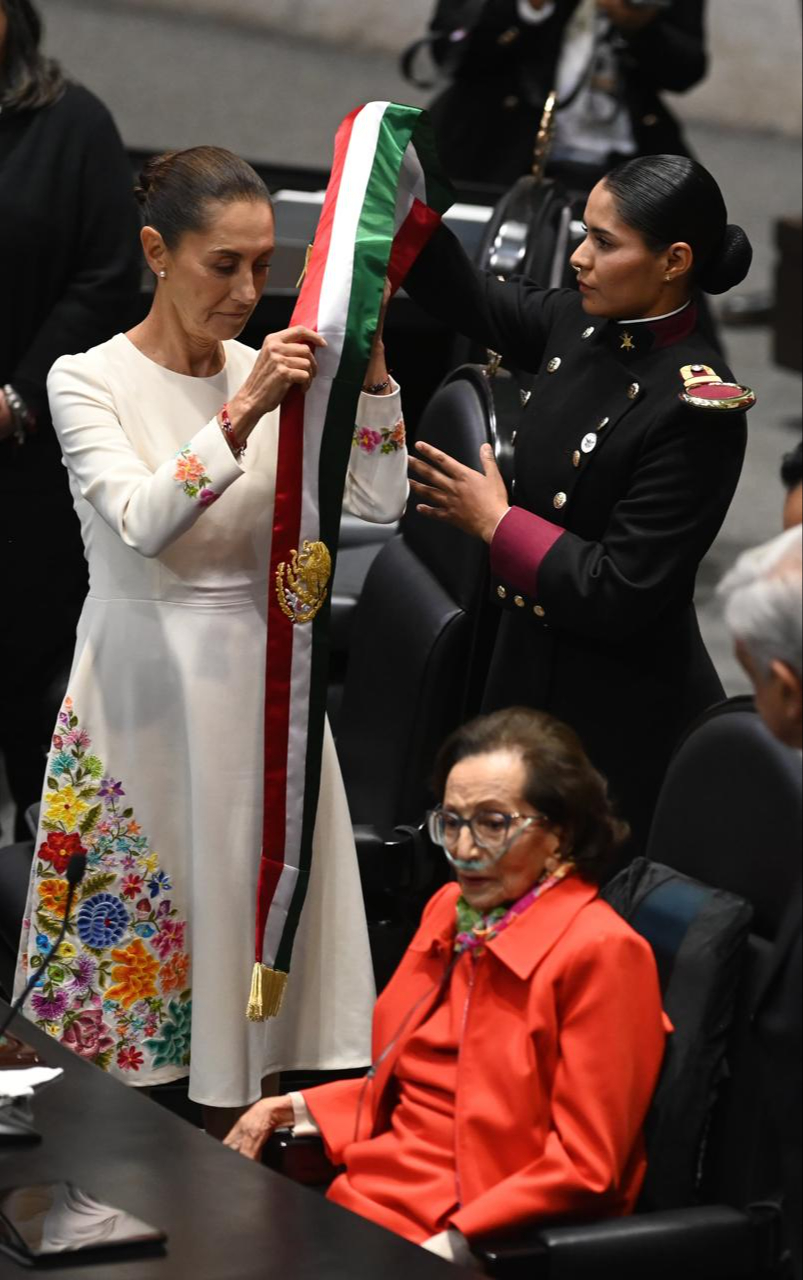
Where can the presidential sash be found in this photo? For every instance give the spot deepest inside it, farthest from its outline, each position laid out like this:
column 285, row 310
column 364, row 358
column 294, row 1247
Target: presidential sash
column 385, row 199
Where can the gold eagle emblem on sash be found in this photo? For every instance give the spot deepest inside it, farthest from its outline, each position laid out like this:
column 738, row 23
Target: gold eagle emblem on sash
column 302, row 585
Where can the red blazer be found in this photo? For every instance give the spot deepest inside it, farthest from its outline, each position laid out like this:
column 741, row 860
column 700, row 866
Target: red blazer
column 560, row 1056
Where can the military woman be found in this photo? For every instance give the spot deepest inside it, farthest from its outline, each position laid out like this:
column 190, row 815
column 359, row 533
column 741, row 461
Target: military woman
column 627, row 457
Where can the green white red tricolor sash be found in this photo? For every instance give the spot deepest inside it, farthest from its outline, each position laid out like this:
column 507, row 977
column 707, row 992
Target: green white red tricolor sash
column 385, row 199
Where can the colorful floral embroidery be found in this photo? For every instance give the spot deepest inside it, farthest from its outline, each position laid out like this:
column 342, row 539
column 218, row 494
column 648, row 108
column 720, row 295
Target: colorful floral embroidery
column 125, row 953
column 386, row 440
column 190, row 473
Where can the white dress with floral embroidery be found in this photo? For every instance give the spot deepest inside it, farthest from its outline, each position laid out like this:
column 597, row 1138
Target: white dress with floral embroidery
column 156, row 763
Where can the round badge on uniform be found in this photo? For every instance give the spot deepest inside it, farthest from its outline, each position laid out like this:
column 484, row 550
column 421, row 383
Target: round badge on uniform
column 589, row 442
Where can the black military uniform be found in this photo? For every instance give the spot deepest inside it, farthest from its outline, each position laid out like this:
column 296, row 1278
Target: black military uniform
column 486, row 121
column 626, row 459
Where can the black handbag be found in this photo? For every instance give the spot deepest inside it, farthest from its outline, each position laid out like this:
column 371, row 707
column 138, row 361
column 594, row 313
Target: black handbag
column 446, row 41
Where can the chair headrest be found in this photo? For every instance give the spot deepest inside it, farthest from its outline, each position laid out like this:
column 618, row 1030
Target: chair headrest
column 458, row 420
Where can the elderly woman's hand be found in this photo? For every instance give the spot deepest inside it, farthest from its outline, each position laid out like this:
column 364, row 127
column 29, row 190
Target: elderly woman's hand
column 626, row 16
column 253, row 1129
column 473, row 501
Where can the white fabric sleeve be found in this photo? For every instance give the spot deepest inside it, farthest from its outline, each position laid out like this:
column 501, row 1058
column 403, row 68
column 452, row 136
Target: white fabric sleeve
column 148, row 509
column 376, row 483
column 451, row 1245
column 303, row 1124
column 528, row 14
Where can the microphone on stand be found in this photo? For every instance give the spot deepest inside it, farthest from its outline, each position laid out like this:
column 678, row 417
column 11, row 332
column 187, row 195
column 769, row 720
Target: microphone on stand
column 76, row 868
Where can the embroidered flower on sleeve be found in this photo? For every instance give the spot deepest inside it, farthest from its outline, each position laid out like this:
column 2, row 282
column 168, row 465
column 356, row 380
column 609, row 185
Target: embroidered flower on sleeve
column 386, row 440
column 367, row 440
column 190, row 473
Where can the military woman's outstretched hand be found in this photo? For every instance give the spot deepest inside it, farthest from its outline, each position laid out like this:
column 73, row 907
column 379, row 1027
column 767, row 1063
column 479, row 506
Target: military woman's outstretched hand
column 447, row 490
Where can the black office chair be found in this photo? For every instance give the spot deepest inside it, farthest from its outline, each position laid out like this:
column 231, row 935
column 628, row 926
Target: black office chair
column 414, row 633
column 420, row 635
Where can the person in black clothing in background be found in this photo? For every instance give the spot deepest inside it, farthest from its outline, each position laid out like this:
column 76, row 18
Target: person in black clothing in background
column 627, row 456
column 610, row 60
column 70, row 270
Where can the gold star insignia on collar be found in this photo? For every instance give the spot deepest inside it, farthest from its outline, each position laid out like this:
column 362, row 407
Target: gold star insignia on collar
column 627, row 342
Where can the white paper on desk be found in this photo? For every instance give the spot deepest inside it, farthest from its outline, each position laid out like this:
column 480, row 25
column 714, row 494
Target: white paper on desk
column 22, row 1082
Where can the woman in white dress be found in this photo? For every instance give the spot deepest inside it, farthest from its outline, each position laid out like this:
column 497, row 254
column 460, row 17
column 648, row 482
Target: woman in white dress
column 155, row 768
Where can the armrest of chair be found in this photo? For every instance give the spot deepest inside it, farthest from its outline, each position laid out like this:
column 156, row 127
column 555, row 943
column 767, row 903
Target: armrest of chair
column 300, row 1159
column 710, row 1242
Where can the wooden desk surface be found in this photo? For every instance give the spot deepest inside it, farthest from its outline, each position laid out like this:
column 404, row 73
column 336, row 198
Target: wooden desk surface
column 226, row 1218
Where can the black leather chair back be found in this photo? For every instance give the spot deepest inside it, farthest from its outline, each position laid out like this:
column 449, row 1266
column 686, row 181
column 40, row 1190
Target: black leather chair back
column 730, row 811
column 410, row 660
column 730, row 814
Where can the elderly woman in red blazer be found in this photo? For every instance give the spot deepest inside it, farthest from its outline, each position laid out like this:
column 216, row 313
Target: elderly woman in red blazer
column 518, row 1045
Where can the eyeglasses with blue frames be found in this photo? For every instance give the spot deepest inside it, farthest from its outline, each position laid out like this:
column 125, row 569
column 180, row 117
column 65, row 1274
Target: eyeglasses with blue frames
column 489, row 829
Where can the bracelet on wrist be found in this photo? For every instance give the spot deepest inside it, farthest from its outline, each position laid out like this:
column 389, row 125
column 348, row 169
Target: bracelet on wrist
column 22, row 420
column 224, row 419
column 377, row 388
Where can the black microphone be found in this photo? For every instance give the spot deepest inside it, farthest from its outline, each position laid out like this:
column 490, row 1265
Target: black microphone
column 76, row 868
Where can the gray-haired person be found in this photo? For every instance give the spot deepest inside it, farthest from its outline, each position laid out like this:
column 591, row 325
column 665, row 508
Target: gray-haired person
column 763, row 595
column 762, row 600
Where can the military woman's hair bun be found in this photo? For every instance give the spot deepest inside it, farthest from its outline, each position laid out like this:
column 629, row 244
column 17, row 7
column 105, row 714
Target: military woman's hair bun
column 673, row 198
column 730, row 265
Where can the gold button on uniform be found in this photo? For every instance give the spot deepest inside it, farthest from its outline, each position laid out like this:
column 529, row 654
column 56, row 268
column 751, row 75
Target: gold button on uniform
column 554, row 364
column 589, row 443
column 513, row 437
column 588, row 333
column 603, row 424
column 502, row 593
column 559, row 501
column 526, row 397
column 519, row 602
column 577, row 458
column 633, row 390
column 539, row 611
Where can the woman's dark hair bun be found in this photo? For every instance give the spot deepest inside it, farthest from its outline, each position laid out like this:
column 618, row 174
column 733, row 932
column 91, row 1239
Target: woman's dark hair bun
column 156, row 167
column 176, row 190
column 669, row 198
column 730, row 265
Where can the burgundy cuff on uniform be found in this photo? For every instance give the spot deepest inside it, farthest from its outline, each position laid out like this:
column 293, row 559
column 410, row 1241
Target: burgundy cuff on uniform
column 520, row 543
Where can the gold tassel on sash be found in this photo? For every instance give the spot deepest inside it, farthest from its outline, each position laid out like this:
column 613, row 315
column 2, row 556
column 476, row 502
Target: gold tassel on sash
column 267, row 993
column 305, row 269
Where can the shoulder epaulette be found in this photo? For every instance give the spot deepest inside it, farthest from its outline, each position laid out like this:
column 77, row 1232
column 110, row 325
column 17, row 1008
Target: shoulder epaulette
column 704, row 389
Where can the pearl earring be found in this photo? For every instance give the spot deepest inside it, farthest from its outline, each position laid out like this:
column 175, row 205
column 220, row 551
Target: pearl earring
column 162, row 275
